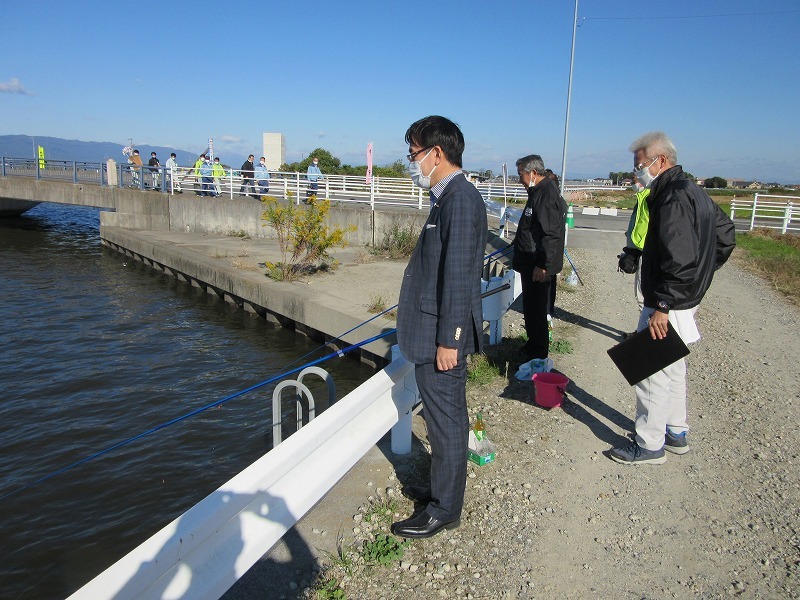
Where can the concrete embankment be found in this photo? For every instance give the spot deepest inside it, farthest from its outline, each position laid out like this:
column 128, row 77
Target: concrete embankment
column 323, row 306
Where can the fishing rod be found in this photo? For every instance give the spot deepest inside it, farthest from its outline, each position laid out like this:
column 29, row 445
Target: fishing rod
column 195, row 413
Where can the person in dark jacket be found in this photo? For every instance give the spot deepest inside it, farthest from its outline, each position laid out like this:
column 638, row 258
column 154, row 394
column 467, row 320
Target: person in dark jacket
column 248, row 172
column 440, row 317
column 688, row 239
column 538, row 252
column 154, row 165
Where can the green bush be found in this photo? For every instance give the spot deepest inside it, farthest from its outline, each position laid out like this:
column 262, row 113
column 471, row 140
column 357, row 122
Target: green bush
column 303, row 238
column 398, row 242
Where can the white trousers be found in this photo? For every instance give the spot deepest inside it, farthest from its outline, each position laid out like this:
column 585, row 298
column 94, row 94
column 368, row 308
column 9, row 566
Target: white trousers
column 661, row 398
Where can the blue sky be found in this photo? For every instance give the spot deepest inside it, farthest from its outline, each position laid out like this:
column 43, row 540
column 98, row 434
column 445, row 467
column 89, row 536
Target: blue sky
column 720, row 77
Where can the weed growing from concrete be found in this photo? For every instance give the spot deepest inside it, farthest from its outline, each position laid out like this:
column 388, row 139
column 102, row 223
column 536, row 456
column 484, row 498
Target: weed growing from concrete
column 303, row 238
column 398, row 242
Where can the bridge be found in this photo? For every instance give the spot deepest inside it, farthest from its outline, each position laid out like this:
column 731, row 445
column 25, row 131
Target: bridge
column 97, row 181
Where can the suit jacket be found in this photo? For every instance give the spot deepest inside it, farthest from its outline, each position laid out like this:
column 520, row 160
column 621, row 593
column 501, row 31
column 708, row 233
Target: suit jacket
column 440, row 297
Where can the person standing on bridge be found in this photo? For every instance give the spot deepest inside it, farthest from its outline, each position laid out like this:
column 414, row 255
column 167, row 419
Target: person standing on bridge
column 201, row 160
column 262, row 177
column 218, row 172
column 154, row 165
column 207, row 175
column 136, row 161
column 688, row 239
column 172, row 173
column 313, row 174
column 248, row 172
column 440, row 318
column 538, row 253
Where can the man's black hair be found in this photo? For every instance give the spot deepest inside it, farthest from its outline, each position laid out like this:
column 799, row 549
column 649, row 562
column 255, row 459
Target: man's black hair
column 438, row 131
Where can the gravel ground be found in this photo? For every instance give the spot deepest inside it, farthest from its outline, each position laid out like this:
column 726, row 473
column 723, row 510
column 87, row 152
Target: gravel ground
column 554, row 517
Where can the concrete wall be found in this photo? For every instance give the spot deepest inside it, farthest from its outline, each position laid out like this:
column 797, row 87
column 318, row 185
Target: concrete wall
column 156, row 211
column 236, row 216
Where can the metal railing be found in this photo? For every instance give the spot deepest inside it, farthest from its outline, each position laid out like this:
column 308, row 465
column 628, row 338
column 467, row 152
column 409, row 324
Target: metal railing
column 378, row 191
column 772, row 212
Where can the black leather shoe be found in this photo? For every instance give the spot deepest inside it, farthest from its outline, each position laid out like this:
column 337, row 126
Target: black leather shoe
column 417, row 493
column 422, row 526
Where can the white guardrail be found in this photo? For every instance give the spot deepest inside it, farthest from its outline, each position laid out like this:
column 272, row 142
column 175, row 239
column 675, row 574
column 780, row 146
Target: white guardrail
column 773, row 212
column 203, row 552
column 398, row 191
column 206, row 550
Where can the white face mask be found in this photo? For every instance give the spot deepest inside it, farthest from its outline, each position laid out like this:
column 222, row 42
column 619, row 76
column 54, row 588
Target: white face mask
column 644, row 176
column 420, row 180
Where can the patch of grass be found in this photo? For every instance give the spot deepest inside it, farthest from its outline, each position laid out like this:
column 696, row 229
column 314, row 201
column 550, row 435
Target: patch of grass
column 382, row 512
column 398, row 242
column 561, row 346
column 328, row 589
column 241, row 233
column 383, row 550
column 377, row 304
column 481, row 370
column 775, row 257
column 343, row 559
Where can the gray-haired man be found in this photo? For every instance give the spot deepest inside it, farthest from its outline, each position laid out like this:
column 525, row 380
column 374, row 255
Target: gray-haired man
column 688, row 239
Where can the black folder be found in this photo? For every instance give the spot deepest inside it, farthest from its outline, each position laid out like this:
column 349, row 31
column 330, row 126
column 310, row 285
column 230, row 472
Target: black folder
column 640, row 355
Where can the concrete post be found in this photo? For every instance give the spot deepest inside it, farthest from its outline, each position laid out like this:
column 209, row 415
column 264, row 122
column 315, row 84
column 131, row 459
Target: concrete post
column 111, row 168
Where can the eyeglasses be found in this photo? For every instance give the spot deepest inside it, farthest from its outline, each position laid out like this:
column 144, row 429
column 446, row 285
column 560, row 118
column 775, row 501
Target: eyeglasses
column 413, row 155
column 641, row 166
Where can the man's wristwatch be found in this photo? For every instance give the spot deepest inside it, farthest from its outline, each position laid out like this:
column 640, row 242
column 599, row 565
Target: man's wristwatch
column 662, row 306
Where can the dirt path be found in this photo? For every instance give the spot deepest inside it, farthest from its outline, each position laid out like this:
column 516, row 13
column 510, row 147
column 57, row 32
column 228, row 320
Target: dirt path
column 555, row 518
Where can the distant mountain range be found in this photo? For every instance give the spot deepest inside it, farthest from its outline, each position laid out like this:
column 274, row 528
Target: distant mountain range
column 22, row 146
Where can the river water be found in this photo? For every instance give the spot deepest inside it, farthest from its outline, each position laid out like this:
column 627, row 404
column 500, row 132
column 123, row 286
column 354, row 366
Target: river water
column 96, row 349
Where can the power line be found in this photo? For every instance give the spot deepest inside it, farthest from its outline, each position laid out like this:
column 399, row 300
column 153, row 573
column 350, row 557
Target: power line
column 665, row 17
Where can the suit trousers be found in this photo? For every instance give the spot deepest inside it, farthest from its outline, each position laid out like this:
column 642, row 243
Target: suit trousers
column 444, row 400
column 537, row 298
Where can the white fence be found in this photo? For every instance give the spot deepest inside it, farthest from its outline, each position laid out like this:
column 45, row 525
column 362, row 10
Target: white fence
column 773, row 212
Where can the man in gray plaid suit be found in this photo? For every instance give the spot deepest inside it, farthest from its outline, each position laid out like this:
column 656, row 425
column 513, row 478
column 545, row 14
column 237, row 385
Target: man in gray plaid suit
column 440, row 319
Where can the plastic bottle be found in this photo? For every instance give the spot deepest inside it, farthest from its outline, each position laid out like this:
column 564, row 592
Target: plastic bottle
column 480, row 428
column 549, row 329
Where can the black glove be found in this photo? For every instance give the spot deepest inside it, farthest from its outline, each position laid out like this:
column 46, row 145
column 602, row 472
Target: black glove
column 629, row 260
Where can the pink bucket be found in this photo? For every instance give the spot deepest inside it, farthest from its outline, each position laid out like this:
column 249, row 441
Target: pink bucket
column 550, row 388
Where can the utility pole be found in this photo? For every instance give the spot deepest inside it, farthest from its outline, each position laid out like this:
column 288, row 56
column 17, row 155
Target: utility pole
column 569, row 100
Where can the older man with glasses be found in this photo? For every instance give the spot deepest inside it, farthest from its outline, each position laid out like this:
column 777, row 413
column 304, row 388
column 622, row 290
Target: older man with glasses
column 688, row 239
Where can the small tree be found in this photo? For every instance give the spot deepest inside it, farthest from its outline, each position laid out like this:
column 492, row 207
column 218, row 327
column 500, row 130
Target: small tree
column 303, row 238
column 716, row 182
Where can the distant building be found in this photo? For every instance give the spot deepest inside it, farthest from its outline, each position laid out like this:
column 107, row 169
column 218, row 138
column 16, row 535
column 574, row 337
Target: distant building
column 274, row 150
column 741, row 184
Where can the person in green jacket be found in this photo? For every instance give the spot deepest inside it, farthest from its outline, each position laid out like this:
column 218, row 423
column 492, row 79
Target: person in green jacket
column 218, row 172
column 635, row 236
column 197, row 177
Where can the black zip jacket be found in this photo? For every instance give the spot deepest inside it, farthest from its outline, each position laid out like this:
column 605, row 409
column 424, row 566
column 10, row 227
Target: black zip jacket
column 688, row 239
column 539, row 241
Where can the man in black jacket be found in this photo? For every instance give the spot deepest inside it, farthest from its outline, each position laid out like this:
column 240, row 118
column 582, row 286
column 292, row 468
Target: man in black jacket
column 688, row 239
column 248, row 172
column 538, row 252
